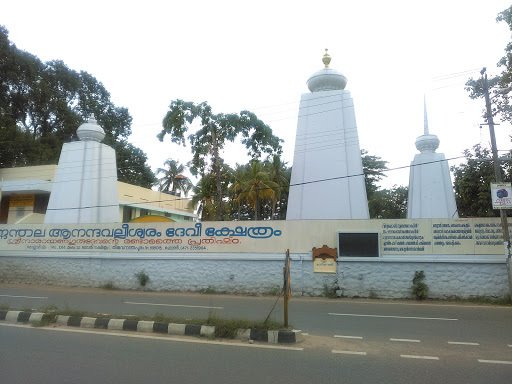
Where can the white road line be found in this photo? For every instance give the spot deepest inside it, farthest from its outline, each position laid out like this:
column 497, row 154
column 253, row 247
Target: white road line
column 393, row 317
column 191, row 340
column 406, row 340
column 419, row 357
column 461, row 343
column 349, row 352
column 174, row 305
column 461, row 305
column 494, row 361
column 348, row 337
column 25, row 297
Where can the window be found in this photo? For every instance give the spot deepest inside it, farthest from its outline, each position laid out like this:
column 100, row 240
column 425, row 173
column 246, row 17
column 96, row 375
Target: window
column 127, row 214
column 144, row 212
column 41, row 203
column 358, row 244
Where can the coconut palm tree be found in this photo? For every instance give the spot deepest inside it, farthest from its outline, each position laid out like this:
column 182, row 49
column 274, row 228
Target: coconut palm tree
column 255, row 187
column 280, row 174
column 237, row 176
column 203, row 198
column 208, row 142
column 173, row 180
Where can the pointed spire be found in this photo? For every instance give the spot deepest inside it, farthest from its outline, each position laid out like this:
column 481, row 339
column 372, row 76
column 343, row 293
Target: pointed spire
column 426, row 143
column 425, row 124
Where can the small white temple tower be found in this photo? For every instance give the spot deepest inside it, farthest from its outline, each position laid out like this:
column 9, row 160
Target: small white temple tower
column 327, row 179
column 430, row 187
column 85, row 186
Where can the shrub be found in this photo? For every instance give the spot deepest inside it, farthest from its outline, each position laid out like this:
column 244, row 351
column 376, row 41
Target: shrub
column 108, row 285
column 419, row 288
column 142, row 277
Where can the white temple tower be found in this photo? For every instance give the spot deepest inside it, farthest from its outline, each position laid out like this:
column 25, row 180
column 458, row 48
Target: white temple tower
column 327, row 179
column 85, row 186
column 430, row 187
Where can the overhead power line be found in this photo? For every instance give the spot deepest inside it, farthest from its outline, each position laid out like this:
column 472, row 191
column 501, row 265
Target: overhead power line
column 279, row 187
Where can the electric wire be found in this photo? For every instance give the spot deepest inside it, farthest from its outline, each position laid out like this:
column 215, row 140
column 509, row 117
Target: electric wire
column 198, row 125
column 280, row 187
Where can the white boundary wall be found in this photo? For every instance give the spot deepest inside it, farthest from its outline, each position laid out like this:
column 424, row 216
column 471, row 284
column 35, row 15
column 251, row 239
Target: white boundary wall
column 472, row 264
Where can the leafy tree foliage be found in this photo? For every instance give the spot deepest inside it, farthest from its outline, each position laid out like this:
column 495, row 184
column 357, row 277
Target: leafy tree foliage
column 279, row 174
column 389, row 203
column 472, row 183
column 208, row 142
column 251, row 191
column 43, row 104
column 131, row 165
column 373, row 169
column 203, row 198
column 382, row 203
column 255, row 187
column 501, row 85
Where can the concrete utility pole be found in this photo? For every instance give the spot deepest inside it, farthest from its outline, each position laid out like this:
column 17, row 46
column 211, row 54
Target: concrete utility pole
column 497, row 173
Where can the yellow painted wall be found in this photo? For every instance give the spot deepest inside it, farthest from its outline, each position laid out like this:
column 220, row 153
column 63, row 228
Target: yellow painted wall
column 144, row 196
column 39, row 172
column 152, row 219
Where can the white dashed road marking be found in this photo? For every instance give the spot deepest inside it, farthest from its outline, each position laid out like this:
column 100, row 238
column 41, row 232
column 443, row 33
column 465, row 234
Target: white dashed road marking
column 26, row 297
column 174, row 305
column 494, row 361
column 348, row 337
column 406, row 340
column 393, row 317
column 350, row 352
column 419, row 357
column 461, row 343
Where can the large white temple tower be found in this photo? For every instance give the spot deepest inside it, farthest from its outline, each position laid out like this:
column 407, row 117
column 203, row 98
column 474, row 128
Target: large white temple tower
column 85, row 186
column 430, row 187
column 327, row 179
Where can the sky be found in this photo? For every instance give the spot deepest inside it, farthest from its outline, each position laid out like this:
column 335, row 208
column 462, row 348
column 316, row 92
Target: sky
column 258, row 55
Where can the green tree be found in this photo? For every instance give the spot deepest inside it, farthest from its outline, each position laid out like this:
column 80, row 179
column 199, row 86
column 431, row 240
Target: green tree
column 43, row 104
column 203, row 198
column 499, row 86
column 131, row 164
column 216, row 129
column 472, row 183
column 373, row 169
column 382, row 203
column 389, row 203
column 256, row 187
column 280, row 174
column 237, row 175
column 173, row 180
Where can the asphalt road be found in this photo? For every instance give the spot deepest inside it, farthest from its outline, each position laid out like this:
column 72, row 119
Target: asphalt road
column 54, row 355
column 378, row 319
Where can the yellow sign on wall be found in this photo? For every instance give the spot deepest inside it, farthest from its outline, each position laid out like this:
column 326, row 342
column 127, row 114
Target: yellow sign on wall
column 444, row 237
column 327, row 265
column 21, row 201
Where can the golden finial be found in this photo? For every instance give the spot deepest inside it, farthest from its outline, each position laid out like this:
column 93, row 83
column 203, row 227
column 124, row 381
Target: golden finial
column 326, row 59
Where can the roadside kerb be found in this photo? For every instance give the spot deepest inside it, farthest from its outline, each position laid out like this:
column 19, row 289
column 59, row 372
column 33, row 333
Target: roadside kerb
column 273, row 337
column 21, row 317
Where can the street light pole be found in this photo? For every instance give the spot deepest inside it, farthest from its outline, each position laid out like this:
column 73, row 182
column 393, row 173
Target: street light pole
column 497, row 173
